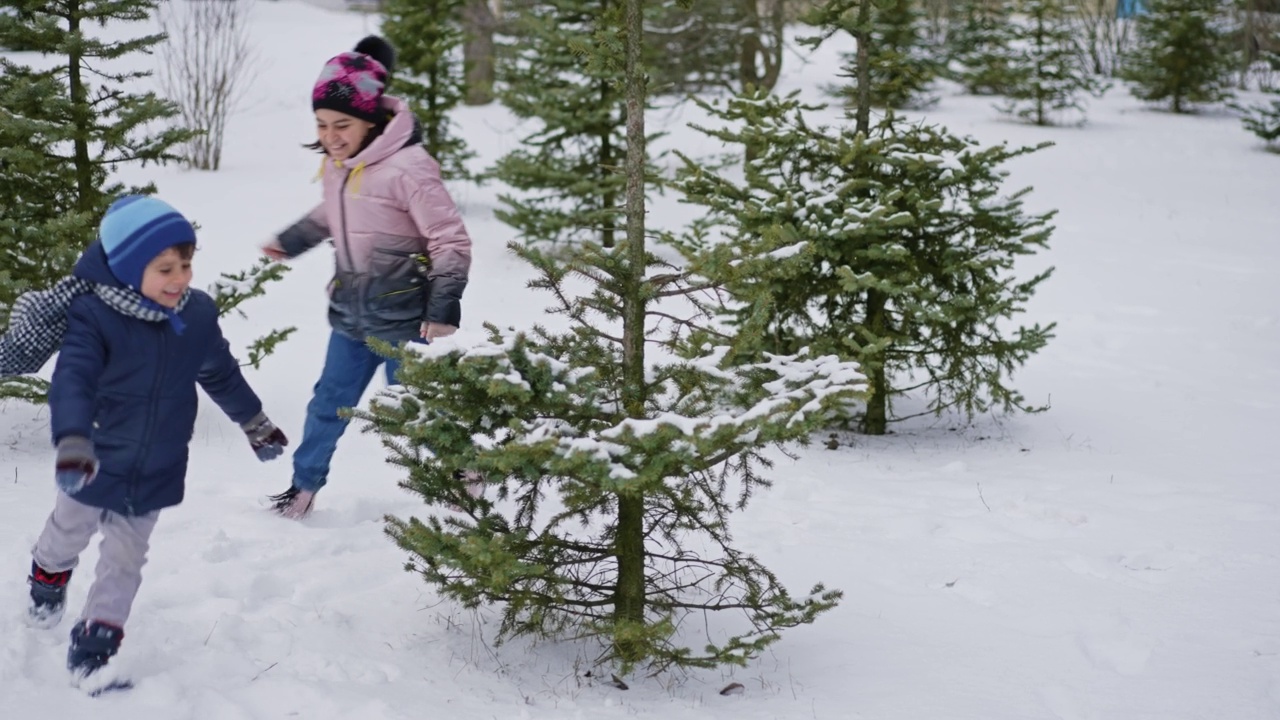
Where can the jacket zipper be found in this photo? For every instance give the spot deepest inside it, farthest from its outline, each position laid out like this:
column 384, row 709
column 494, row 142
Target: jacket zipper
column 151, row 416
column 346, row 246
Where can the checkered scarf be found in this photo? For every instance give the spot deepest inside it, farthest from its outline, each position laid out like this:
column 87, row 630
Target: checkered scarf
column 130, row 302
column 38, row 320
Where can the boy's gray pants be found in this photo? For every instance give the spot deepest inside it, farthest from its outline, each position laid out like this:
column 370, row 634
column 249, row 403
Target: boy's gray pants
column 122, row 553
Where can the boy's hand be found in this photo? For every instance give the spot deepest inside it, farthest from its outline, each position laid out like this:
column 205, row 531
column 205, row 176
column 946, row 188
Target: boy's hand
column 76, row 465
column 267, row 440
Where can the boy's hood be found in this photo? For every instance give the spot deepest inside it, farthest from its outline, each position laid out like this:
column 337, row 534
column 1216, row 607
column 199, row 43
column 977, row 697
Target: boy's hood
column 92, row 266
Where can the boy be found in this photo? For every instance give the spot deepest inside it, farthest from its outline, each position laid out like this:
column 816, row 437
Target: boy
column 122, row 410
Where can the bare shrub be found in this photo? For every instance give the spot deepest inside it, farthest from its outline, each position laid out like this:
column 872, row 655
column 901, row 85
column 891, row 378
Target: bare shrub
column 1101, row 36
column 204, row 68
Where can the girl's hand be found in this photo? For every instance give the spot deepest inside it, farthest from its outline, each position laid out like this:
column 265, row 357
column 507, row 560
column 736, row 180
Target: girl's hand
column 430, row 331
column 273, row 250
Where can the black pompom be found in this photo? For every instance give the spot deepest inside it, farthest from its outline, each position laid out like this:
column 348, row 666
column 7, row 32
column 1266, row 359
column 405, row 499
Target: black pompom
column 378, row 49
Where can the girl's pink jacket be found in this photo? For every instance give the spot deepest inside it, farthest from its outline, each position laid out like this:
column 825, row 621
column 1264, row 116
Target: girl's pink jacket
column 402, row 252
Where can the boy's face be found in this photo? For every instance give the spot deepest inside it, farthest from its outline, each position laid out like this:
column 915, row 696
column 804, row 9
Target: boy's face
column 166, row 278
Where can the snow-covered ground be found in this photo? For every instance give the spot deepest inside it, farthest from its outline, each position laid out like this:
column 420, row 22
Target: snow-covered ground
column 1112, row 558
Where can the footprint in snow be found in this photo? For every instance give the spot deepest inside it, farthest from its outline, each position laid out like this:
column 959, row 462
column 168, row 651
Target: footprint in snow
column 1065, row 703
column 1123, row 650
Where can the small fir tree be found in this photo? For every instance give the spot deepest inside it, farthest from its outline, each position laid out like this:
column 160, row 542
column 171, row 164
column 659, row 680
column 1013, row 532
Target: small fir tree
column 893, row 247
column 562, row 75
column 979, row 44
column 1263, row 120
column 1181, row 56
column 615, row 452
column 1047, row 74
column 428, row 38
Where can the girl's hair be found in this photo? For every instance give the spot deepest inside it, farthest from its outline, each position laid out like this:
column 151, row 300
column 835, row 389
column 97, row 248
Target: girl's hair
column 186, row 251
column 369, row 137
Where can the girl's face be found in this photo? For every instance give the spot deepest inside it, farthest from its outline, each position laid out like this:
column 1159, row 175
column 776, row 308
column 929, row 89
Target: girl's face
column 340, row 134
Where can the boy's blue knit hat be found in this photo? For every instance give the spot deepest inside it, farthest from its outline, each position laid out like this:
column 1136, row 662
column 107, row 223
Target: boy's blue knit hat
column 135, row 230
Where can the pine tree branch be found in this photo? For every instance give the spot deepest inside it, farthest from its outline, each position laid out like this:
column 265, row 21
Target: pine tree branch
column 684, row 322
column 687, row 290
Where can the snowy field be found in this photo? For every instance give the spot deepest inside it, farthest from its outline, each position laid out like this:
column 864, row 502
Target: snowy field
column 1112, row 558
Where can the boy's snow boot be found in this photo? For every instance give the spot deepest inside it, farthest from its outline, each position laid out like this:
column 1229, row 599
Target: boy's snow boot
column 294, row 504
column 48, row 596
column 92, row 645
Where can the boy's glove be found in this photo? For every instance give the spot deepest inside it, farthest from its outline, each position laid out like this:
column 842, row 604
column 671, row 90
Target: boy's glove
column 265, row 438
column 76, row 465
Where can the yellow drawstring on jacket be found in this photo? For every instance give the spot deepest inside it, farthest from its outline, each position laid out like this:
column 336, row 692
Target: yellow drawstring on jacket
column 353, row 180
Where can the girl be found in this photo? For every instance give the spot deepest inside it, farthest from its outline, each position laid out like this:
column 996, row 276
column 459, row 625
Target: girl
column 403, row 254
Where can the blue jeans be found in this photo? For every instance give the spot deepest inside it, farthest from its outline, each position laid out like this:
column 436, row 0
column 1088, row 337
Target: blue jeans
column 349, row 366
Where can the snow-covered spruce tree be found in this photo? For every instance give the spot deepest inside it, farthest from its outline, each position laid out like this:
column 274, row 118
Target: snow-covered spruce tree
column 63, row 129
column 893, row 246
column 979, row 43
column 428, row 38
column 615, row 452
column 1180, row 55
column 901, row 65
column 561, row 76
column 1047, row 75
column 1263, row 121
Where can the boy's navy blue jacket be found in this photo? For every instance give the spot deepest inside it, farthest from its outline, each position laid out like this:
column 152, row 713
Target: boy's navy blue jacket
column 129, row 385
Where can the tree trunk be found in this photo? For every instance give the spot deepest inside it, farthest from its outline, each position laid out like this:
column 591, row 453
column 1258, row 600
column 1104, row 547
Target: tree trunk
column 863, row 116
column 877, row 405
column 876, row 421
column 81, row 117
column 479, row 23
column 1040, row 71
column 777, row 27
column 608, row 161
column 1249, row 40
column 760, row 51
column 629, row 602
column 754, row 51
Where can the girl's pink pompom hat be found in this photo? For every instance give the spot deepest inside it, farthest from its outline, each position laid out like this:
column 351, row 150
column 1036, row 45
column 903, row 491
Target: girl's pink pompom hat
column 353, row 83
